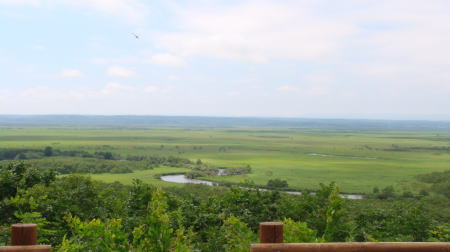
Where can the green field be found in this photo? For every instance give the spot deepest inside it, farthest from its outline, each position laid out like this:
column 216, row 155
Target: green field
column 148, row 176
column 357, row 160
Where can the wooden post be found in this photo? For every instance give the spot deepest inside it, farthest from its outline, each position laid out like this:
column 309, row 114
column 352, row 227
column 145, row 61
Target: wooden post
column 24, row 239
column 23, row 234
column 271, row 232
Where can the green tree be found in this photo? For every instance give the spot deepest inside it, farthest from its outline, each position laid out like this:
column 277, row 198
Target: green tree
column 18, row 175
column 296, row 232
column 387, row 192
column 277, row 183
column 336, row 228
column 325, row 212
column 237, row 235
column 95, row 235
column 155, row 233
column 399, row 222
column 48, row 151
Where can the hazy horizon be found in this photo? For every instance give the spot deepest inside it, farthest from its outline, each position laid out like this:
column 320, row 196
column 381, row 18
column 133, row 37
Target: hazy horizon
column 319, row 117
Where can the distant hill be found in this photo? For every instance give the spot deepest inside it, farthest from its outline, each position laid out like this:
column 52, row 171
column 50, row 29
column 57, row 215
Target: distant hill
column 198, row 121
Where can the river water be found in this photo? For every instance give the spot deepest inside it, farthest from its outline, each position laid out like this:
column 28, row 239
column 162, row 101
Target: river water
column 181, row 178
column 341, row 156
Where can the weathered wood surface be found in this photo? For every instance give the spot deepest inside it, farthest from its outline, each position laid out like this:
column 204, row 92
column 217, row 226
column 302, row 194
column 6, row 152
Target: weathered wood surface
column 354, row 247
column 24, row 239
column 34, row 248
column 23, row 234
column 271, row 232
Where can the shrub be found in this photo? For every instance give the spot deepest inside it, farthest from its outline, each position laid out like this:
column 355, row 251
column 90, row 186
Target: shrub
column 295, row 232
column 277, row 183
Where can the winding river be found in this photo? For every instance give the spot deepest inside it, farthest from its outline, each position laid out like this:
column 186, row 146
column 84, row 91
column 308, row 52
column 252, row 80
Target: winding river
column 182, row 179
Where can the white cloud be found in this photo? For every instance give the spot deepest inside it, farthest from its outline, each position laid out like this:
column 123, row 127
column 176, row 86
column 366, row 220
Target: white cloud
column 256, row 31
column 287, row 88
column 401, row 42
column 318, row 91
column 42, row 99
column 99, row 61
column 116, row 88
column 120, row 72
column 384, row 56
column 119, row 60
column 173, row 78
column 166, row 59
column 130, row 10
column 71, row 73
column 320, row 77
column 38, row 47
column 112, row 98
column 233, row 93
column 116, row 98
column 150, row 89
column 20, row 2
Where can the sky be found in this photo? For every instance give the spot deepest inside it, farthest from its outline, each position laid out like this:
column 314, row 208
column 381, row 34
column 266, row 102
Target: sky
column 384, row 59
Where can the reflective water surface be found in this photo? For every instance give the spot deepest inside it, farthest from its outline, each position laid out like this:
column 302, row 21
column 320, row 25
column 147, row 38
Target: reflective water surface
column 181, row 178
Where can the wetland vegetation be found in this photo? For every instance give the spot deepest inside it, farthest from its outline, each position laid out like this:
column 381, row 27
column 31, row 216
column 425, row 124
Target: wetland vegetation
column 358, row 160
column 75, row 179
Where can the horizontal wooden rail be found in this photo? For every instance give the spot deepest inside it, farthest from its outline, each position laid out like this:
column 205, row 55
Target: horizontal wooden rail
column 271, row 240
column 33, row 248
column 353, row 247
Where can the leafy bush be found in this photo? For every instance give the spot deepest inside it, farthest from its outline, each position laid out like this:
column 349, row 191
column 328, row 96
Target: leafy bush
column 386, row 193
column 95, row 235
column 397, row 223
column 153, row 234
column 435, row 177
column 238, row 236
column 17, row 175
column 295, row 232
column 277, row 183
column 75, row 213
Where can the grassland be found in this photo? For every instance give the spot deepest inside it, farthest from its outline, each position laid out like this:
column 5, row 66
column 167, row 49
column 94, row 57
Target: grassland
column 357, row 160
column 149, row 176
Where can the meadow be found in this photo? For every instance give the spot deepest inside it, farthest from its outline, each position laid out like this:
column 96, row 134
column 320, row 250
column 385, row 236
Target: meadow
column 357, row 160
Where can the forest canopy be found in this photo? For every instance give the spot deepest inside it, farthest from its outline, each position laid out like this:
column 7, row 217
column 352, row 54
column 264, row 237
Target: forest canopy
column 75, row 213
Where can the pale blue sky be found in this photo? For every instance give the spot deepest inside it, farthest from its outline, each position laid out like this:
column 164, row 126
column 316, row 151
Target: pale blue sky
column 302, row 58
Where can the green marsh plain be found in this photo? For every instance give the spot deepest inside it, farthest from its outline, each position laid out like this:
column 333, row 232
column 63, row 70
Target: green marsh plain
column 357, row 160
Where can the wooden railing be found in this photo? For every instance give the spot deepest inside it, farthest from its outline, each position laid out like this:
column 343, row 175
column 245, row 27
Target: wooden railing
column 24, row 239
column 271, row 240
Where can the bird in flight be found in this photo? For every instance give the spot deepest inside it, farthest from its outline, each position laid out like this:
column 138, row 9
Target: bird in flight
column 135, row 35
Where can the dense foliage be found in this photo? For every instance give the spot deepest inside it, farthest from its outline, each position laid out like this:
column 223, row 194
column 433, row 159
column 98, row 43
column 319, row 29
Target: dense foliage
column 439, row 182
column 277, row 183
column 75, row 213
column 76, row 161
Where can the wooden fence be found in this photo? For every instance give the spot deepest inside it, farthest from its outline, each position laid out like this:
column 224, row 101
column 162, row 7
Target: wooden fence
column 24, row 239
column 271, row 240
